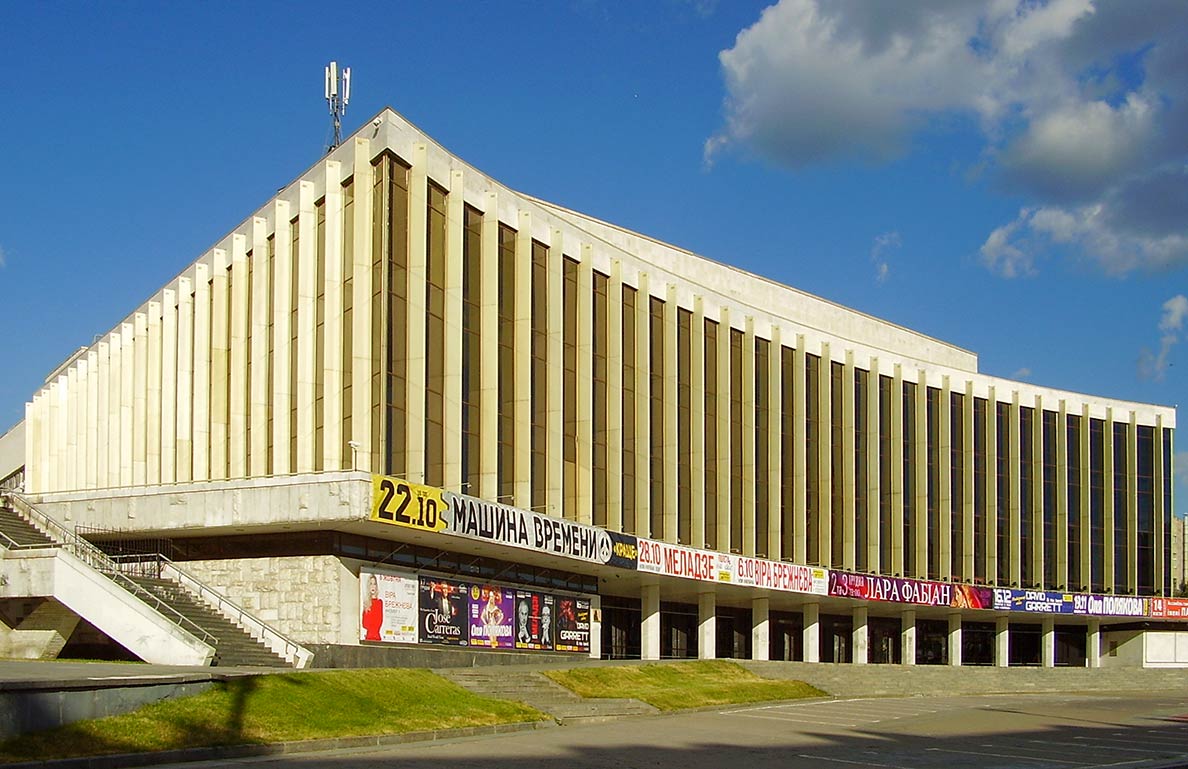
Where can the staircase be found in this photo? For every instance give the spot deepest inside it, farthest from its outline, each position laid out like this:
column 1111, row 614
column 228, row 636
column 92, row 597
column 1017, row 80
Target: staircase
column 17, row 531
column 848, row 680
column 233, row 646
column 534, row 689
column 181, row 607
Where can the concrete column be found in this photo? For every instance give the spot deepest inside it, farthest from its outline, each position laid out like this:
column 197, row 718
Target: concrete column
column 774, row 547
column 696, row 423
column 921, row 513
column 643, row 411
column 955, row 639
column 1108, row 460
column 361, row 362
column 874, row 488
column 967, row 449
column 614, row 397
column 220, row 361
column 897, row 427
column 152, row 464
column 522, row 407
column 169, row 396
column 139, row 400
column 949, row 562
column 671, row 416
column 649, row 626
column 127, row 395
column 307, row 324
column 812, row 632
column 239, row 330
column 584, row 477
column 760, row 628
column 595, row 627
column 748, row 512
column 1048, row 642
column 555, row 386
column 332, row 331
column 849, row 513
column 825, row 459
column 1132, row 575
column 992, row 439
column 860, row 636
column 1093, row 644
column 90, row 454
column 257, row 350
column 799, row 464
column 723, row 432
column 907, row 636
column 1002, row 642
column 186, row 390
column 417, row 318
column 489, row 354
column 282, row 331
column 102, row 438
column 70, row 415
column 451, row 419
column 707, row 626
column 1062, row 512
column 115, row 358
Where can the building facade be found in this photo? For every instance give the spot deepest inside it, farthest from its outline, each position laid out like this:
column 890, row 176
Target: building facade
column 783, row 477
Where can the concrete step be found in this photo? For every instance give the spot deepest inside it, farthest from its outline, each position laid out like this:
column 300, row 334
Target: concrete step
column 534, row 689
column 235, row 647
column 19, row 530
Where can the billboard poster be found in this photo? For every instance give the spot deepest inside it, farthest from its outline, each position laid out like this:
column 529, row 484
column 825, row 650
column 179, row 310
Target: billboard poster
column 778, row 575
column 388, row 606
column 1169, row 608
column 400, row 503
column 1110, row 605
column 442, row 612
column 492, row 611
column 1033, row 601
column 893, row 589
column 573, row 624
column 677, row 561
column 534, row 620
column 972, row 597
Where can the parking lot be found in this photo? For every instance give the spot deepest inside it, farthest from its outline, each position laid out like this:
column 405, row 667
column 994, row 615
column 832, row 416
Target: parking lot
column 1123, row 730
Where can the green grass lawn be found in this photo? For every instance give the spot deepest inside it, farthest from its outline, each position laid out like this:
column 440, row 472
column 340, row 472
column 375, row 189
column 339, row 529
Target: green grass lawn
column 678, row 686
column 278, row 708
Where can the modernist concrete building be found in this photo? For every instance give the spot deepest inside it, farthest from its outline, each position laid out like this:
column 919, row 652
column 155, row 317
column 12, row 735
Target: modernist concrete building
column 400, row 377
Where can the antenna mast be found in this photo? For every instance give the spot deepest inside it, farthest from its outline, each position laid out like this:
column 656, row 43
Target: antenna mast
column 338, row 93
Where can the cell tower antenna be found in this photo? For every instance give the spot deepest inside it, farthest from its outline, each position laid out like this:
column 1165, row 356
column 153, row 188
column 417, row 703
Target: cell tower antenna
column 338, row 93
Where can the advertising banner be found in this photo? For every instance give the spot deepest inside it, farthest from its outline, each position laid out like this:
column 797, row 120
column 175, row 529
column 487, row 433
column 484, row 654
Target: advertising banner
column 972, row 597
column 1034, row 601
column 1169, row 608
column 400, row 503
column 893, row 589
column 388, row 606
column 1047, row 602
column 534, row 620
column 441, row 612
column 709, row 566
column 491, row 615
column 778, row 575
column 573, row 624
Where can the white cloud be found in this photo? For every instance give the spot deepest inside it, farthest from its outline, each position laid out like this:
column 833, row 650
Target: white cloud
column 3, row 260
column 883, row 244
column 1082, row 107
column 1002, row 256
column 1154, row 365
column 1023, row 373
column 1181, row 470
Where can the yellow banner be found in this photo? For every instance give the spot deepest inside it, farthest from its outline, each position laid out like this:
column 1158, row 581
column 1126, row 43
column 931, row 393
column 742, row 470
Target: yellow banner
column 407, row 504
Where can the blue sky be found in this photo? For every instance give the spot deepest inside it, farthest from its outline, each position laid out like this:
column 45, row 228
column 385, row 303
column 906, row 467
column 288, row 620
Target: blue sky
column 1008, row 177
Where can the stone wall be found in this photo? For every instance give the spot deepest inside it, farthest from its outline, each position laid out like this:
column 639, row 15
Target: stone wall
column 304, row 597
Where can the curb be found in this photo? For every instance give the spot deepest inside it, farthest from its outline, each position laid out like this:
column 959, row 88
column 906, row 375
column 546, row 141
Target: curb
column 116, row 760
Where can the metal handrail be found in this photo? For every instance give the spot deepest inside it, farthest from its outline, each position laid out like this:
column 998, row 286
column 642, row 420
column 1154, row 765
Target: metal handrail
column 293, row 651
column 102, row 563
